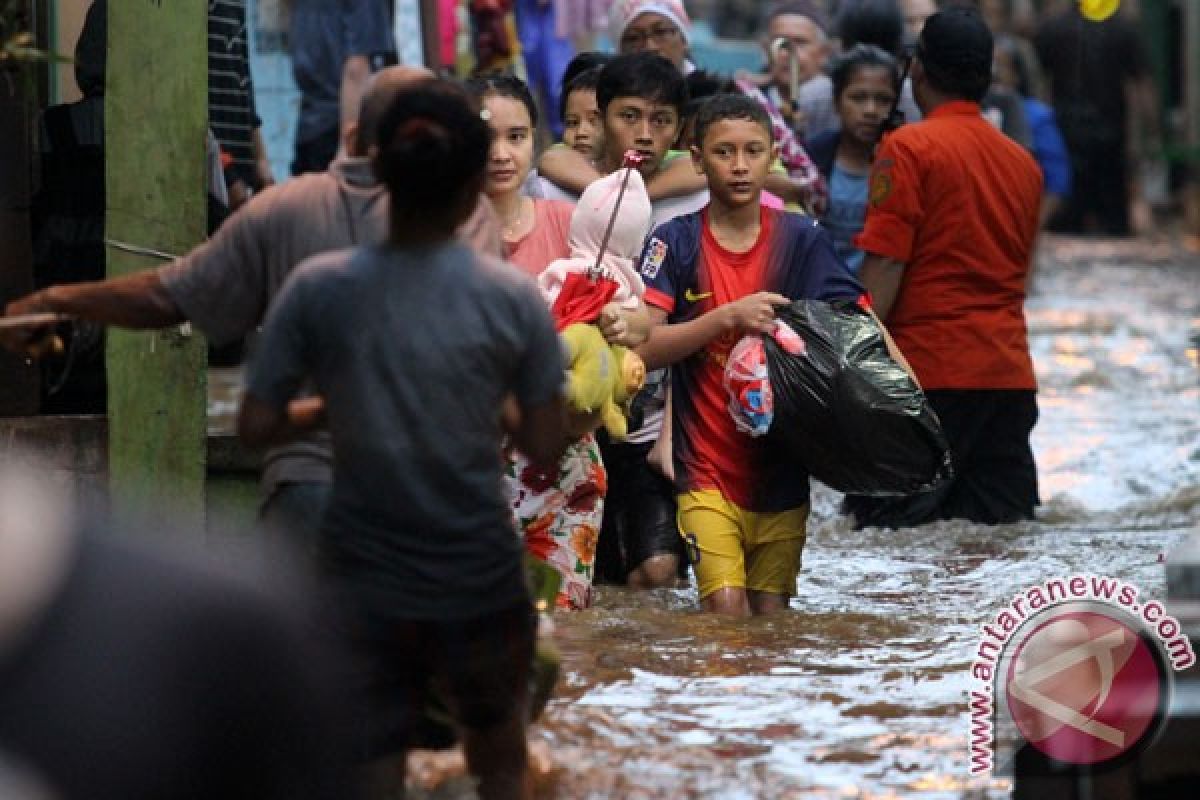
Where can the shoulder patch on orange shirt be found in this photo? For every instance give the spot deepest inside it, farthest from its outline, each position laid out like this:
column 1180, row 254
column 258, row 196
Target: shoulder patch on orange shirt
column 881, row 183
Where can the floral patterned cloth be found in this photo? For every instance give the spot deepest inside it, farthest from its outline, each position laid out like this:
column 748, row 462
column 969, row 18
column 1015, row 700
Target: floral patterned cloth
column 558, row 513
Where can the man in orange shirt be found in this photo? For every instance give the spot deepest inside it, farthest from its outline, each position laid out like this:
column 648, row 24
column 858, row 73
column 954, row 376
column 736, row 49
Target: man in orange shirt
column 949, row 236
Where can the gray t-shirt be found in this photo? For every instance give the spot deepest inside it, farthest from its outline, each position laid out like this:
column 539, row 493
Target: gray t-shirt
column 413, row 351
column 323, row 34
column 225, row 285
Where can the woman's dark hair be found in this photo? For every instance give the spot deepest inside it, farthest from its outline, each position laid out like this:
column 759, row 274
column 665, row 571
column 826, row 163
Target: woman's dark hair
column 589, row 79
column 843, row 66
column 433, row 147
column 877, row 22
column 503, row 84
column 647, row 76
column 581, row 63
column 730, row 106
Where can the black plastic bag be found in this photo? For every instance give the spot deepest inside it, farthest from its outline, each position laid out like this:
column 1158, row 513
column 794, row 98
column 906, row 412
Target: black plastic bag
column 847, row 411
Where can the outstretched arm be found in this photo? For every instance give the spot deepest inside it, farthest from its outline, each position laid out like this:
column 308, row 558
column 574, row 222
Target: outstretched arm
column 567, row 169
column 131, row 301
column 676, row 179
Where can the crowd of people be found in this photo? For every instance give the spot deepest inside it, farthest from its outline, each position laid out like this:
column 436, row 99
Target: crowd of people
column 408, row 380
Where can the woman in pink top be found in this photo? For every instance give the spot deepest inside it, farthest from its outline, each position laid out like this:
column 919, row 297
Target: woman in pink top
column 556, row 511
column 534, row 232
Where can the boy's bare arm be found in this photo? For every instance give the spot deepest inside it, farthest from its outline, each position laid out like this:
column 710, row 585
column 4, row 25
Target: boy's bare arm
column 677, row 179
column 669, row 344
column 567, row 169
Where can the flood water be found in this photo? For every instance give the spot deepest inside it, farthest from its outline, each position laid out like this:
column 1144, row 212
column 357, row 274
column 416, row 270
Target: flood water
column 861, row 691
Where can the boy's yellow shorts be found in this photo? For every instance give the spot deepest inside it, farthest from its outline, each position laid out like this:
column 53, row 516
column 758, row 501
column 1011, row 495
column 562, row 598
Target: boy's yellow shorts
column 734, row 548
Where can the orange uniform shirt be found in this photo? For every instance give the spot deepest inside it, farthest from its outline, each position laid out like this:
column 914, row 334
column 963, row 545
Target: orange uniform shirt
column 957, row 201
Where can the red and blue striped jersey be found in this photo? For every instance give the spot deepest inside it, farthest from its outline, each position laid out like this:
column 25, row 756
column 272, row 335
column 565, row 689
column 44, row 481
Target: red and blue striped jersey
column 688, row 273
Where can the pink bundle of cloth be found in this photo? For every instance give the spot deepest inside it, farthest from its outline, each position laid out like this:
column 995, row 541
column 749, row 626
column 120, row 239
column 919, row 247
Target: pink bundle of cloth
column 589, row 222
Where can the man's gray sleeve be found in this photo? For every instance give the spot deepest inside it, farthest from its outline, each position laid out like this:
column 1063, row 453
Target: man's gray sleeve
column 280, row 363
column 221, row 286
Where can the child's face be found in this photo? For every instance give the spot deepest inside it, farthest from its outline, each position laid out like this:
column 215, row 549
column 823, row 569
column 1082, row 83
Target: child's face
column 735, row 156
column 632, row 123
column 583, row 130
column 511, row 155
column 864, row 104
column 805, row 43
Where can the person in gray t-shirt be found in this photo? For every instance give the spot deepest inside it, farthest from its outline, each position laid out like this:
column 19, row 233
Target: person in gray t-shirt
column 225, row 285
column 414, row 347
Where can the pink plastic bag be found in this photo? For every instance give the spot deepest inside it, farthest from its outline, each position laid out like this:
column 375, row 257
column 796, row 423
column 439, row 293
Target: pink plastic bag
column 751, row 402
column 751, row 399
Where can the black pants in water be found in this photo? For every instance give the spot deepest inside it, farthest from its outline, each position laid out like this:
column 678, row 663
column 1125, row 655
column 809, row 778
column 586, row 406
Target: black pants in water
column 995, row 478
column 1099, row 191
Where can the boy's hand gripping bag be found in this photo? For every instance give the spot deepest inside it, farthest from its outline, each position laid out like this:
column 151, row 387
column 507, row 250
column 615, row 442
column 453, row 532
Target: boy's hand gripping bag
column 846, row 410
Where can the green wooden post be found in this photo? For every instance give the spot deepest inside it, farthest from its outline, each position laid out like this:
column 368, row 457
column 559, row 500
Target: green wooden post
column 156, row 109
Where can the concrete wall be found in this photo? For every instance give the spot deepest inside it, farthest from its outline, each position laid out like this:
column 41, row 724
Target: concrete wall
column 73, row 454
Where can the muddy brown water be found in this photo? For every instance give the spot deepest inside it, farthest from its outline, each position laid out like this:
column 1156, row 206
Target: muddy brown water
column 860, row 691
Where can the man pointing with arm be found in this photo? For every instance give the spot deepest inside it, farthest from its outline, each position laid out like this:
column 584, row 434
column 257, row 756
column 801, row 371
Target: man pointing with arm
column 225, row 285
